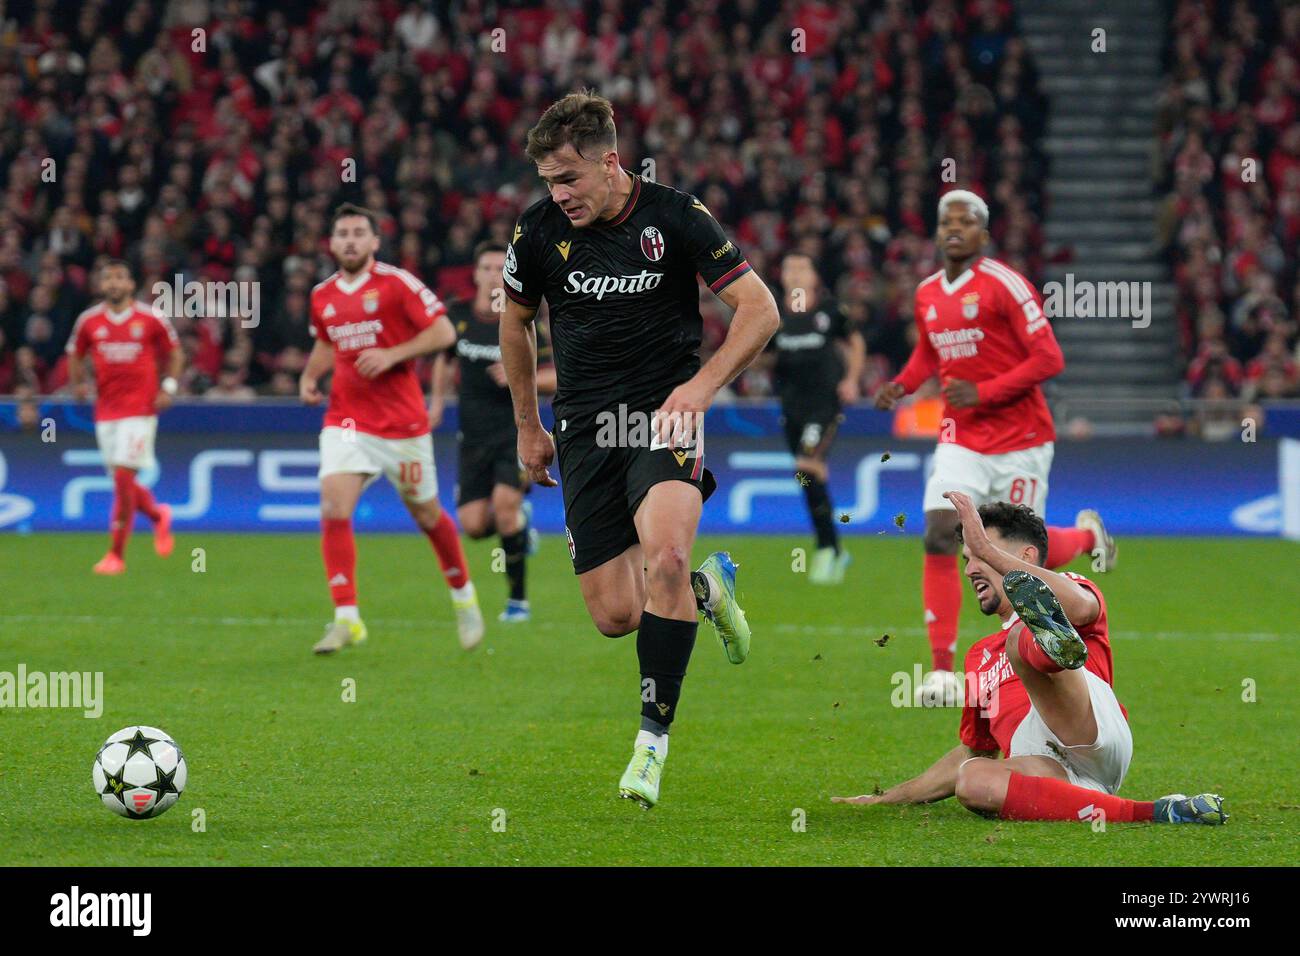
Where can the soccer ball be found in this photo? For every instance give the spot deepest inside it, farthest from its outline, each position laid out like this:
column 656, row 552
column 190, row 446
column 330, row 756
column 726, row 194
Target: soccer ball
column 139, row 772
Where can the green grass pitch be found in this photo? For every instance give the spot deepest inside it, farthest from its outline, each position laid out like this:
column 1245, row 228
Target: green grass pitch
column 534, row 728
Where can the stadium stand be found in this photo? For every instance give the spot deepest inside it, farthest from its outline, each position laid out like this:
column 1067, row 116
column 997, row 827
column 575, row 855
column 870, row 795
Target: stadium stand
column 223, row 162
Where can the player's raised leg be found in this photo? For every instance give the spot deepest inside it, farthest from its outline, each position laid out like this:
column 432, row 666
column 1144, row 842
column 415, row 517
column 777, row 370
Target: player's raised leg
column 339, row 493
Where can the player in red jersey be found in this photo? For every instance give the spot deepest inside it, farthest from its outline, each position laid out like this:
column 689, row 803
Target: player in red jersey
column 982, row 330
column 370, row 320
column 1038, row 691
column 127, row 345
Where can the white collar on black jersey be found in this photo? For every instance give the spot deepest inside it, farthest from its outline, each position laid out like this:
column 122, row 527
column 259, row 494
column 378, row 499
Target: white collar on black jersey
column 347, row 288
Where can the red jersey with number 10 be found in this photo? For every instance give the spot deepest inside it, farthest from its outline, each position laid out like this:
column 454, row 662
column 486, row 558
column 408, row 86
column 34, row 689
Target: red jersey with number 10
column 381, row 308
column 987, row 327
column 127, row 349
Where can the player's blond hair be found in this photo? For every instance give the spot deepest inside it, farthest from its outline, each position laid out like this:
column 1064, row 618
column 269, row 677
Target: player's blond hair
column 584, row 119
column 976, row 203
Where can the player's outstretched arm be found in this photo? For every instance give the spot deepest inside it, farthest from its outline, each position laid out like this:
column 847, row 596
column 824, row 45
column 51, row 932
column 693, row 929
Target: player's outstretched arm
column 937, row 783
column 1079, row 604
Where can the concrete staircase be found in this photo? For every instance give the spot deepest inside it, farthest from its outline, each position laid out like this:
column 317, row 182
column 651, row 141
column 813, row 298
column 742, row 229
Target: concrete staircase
column 1101, row 201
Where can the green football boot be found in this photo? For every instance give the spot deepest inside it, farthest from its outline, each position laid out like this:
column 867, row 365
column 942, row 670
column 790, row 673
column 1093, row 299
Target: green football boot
column 1204, row 808
column 714, row 584
column 641, row 778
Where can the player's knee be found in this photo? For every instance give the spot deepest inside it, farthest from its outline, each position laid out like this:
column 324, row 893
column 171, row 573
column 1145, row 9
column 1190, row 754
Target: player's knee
column 811, row 466
column 428, row 514
column 474, row 524
column 940, row 536
column 507, row 515
column 614, row 622
column 332, row 509
column 669, row 567
column 972, row 788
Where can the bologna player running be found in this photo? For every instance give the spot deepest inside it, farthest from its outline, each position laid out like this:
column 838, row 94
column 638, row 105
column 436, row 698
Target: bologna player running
column 491, row 484
column 981, row 328
column 616, row 259
column 814, row 381
column 370, row 321
column 1039, row 691
column 127, row 345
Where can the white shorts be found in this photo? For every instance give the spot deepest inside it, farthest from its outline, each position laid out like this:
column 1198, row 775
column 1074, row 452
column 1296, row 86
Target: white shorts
column 406, row 462
column 127, row 442
column 1100, row 765
column 1019, row 477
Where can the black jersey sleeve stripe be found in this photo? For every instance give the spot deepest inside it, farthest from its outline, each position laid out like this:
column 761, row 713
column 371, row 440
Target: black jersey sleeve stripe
column 730, row 277
column 522, row 300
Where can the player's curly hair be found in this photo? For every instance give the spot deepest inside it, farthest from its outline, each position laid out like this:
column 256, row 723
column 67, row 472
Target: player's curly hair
column 585, row 119
column 1015, row 523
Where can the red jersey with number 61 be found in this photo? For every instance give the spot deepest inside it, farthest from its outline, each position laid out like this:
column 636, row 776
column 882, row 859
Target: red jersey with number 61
column 987, row 327
column 381, row 308
column 127, row 349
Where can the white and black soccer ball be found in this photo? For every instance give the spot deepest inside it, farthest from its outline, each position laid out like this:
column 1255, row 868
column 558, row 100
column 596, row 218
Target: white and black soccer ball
column 139, row 772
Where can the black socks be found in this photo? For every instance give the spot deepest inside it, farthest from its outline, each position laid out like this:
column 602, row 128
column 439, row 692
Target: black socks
column 663, row 647
column 819, row 506
column 515, row 546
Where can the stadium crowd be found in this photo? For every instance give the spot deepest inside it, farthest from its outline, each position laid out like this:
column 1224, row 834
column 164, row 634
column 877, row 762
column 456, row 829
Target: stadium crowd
column 211, row 140
column 1230, row 139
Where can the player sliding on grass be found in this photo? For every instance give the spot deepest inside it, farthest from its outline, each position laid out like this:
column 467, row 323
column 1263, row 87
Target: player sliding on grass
column 491, row 483
column 981, row 329
column 127, row 343
column 616, row 258
column 370, row 320
column 1043, row 696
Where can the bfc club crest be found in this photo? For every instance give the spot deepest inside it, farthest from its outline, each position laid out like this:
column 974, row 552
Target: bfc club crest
column 370, row 301
column 652, row 243
column 970, row 305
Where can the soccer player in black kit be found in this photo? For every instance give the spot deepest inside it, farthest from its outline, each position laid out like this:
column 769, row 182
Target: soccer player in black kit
column 491, row 483
column 616, row 259
column 819, row 359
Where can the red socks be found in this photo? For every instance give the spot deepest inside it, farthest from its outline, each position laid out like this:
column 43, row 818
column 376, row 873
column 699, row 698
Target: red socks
column 124, row 487
column 1046, row 798
column 1066, row 544
column 941, row 590
column 145, row 504
column 339, row 549
column 445, row 537
column 1032, row 654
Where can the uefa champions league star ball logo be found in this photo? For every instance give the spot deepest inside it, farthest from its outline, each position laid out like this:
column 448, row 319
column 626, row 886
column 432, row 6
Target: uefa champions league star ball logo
column 652, row 243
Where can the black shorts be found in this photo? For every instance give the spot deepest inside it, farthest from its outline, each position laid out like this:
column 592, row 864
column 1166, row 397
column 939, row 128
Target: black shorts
column 484, row 465
column 603, row 487
column 809, row 432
